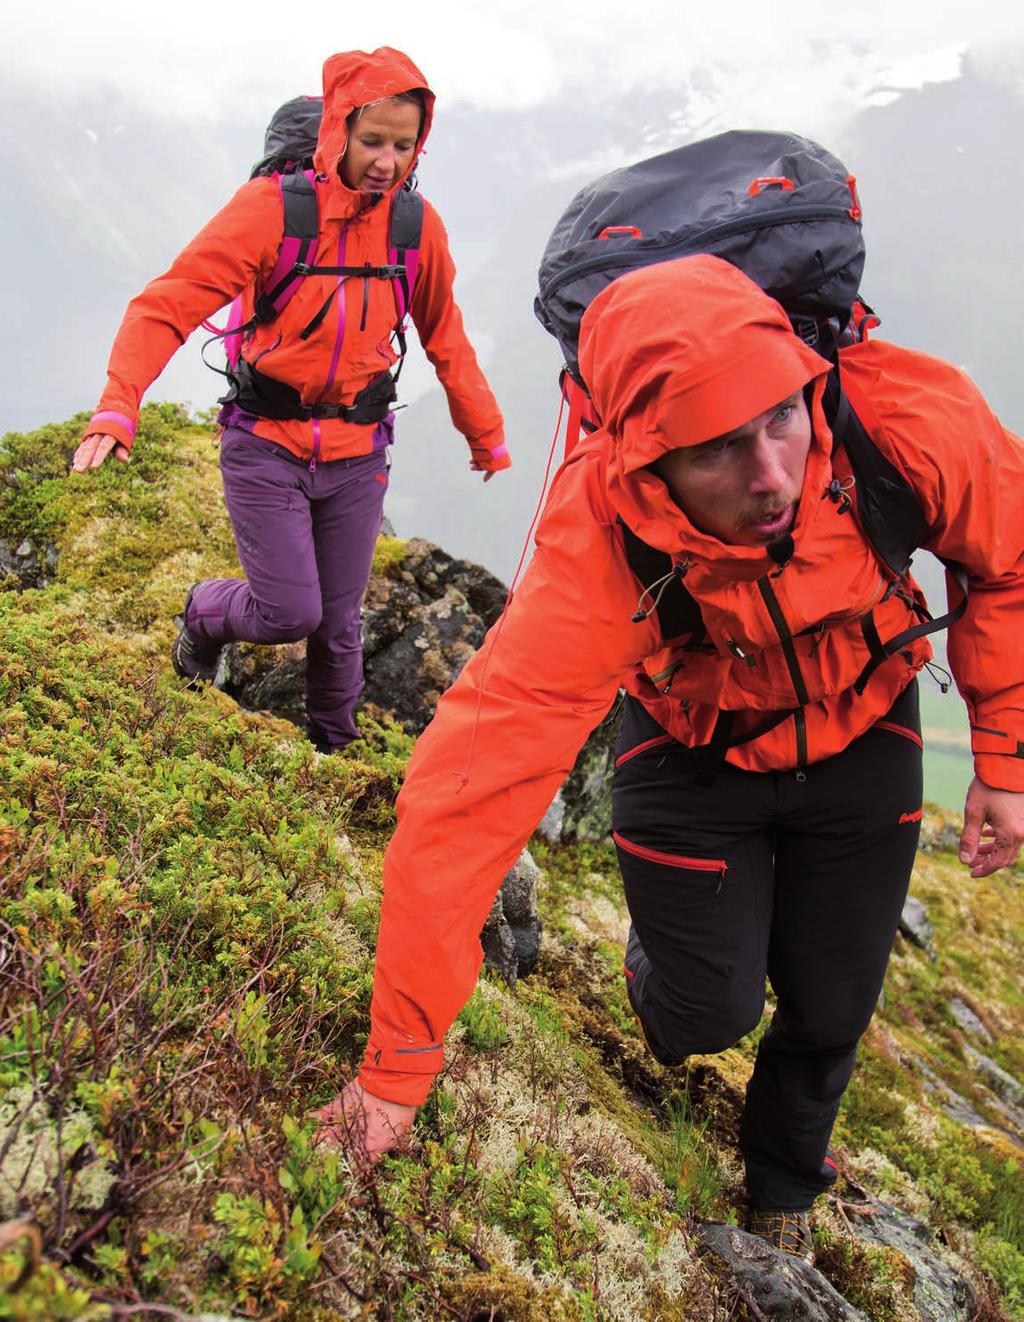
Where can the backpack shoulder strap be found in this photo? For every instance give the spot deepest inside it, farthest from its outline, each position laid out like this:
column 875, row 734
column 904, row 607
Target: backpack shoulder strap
column 677, row 609
column 888, row 510
column 405, row 231
column 887, row 505
column 298, row 243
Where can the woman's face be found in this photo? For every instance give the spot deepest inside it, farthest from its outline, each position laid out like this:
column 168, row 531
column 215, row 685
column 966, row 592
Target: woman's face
column 381, row 142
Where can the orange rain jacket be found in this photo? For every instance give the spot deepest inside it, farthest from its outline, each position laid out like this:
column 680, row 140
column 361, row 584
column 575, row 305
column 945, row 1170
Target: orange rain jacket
column 238, row 248
column 696, row 337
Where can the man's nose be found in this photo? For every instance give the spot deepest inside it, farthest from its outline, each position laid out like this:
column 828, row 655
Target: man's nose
column 767, row 466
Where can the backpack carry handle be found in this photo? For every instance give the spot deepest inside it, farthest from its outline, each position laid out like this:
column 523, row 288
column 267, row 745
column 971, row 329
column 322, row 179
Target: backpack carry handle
column 610, row 231
column 769, row 181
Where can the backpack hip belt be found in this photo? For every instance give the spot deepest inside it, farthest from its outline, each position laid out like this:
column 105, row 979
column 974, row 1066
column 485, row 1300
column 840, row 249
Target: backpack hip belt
column 268, row 398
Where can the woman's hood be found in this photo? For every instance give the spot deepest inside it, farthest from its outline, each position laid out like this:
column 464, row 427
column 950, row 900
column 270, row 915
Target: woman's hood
column 356, row 78
column 691, row 339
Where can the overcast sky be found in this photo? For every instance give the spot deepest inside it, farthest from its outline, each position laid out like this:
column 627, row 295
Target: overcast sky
column 749, row 62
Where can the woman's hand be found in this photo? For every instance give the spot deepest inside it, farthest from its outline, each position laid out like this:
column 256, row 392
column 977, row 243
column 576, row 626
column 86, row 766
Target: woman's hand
column 94, row 449
column 367, row 1125
column 488, row 460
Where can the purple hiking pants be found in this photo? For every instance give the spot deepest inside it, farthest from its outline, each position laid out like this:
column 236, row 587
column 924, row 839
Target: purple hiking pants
column 305, row 540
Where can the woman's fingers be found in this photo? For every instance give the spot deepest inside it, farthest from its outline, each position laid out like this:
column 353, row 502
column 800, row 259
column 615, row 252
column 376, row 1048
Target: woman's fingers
column 94, row 449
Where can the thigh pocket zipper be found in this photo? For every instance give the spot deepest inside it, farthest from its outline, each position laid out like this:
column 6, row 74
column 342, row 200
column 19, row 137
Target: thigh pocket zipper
column 657, row 742
column 681, row 861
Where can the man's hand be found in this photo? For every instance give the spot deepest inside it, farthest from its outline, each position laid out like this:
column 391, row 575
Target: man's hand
column 997, row 815
column 368, row 1126
column 94, row 449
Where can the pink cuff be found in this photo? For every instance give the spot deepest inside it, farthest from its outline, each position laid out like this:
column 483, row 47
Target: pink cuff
column 108, row 416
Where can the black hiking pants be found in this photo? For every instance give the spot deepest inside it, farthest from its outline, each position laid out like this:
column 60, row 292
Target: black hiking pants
column 734, row 876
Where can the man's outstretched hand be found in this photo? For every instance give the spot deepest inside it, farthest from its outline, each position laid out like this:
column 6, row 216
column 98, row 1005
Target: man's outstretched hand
column 993, row 828
column 366, row 1125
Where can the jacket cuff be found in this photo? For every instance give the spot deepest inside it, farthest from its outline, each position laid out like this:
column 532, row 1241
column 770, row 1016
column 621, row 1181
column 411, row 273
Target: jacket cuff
column 111, row 423
column 1000, row 772
column 490, row 459
column 403, row 1075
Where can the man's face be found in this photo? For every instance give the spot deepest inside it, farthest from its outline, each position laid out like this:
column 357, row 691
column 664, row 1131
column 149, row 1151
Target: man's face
column 743, row 487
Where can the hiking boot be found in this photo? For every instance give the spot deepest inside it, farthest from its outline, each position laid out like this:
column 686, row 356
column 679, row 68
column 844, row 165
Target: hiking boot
column 194, row 658
column 788, row 1231
column 317, row 736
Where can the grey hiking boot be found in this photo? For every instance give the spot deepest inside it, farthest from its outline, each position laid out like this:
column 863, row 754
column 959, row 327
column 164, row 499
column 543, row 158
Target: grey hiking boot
column 193, row 658
column 788, row 1231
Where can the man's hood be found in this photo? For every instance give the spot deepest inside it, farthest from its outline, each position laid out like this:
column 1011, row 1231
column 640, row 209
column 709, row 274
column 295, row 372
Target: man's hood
column 696, row 340
column 357, row 78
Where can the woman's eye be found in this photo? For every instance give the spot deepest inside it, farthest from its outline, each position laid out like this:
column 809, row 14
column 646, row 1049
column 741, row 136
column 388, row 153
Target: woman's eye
column 785, row 413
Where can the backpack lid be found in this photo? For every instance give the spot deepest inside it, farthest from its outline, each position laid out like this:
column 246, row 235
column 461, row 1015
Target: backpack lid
column 291, row 136
column 778, row 206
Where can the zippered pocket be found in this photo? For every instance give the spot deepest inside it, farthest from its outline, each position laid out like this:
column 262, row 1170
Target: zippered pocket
column 681, row 861
column 655, row 251
column 903, row 730
column 658, row 742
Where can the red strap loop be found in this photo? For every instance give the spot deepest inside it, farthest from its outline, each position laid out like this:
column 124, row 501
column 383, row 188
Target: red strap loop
column 767, row 181
column 610, row 231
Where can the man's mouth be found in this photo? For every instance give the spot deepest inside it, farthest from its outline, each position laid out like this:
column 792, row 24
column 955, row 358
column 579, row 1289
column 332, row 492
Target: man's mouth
column 773, row 523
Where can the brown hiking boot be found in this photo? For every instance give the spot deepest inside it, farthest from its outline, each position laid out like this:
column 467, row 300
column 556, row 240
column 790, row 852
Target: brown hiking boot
column 788, row 1231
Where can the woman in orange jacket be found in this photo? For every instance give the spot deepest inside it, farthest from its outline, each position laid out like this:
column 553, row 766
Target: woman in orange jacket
column 304, row 457
column 784, row 850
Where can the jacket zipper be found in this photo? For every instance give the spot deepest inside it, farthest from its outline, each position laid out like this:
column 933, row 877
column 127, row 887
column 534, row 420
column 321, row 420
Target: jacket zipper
column 339, row 336
column 672, row 860
column 683, row 247
column 778, row 619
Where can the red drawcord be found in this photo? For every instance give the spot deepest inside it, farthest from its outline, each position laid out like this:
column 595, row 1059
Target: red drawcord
column 464, row 774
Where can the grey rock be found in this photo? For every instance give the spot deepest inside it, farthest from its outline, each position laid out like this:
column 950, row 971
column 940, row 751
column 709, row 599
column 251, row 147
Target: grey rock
column 1004, row 1085
column 958, row 1108
column 582, row 809
column 550, row 825
column 967, row 1020
column 939, row 836
column 782, row 1287
column 940, row 1293
column 419, row 630
column 29, row 566
column 511, row 934
column 916, row 926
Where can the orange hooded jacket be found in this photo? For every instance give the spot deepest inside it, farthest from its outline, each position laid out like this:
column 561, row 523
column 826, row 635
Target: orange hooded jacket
column 238, row 249
column 696, row 337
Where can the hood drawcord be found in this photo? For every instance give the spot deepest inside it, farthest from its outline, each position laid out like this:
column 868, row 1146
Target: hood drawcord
column 837, row 493
column 656, row 591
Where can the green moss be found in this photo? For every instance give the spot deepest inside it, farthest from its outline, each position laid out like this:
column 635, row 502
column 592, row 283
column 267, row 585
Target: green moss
column 191, row 899
column 388, row 555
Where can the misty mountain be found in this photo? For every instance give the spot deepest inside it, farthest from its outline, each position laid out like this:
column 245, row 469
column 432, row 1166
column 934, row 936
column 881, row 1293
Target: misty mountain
column 97, row 199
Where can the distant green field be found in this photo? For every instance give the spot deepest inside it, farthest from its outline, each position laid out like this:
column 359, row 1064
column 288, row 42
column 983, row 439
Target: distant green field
column 947, row 760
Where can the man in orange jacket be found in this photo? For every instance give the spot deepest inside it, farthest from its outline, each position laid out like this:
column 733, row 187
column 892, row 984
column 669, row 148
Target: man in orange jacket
column 784, row 849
